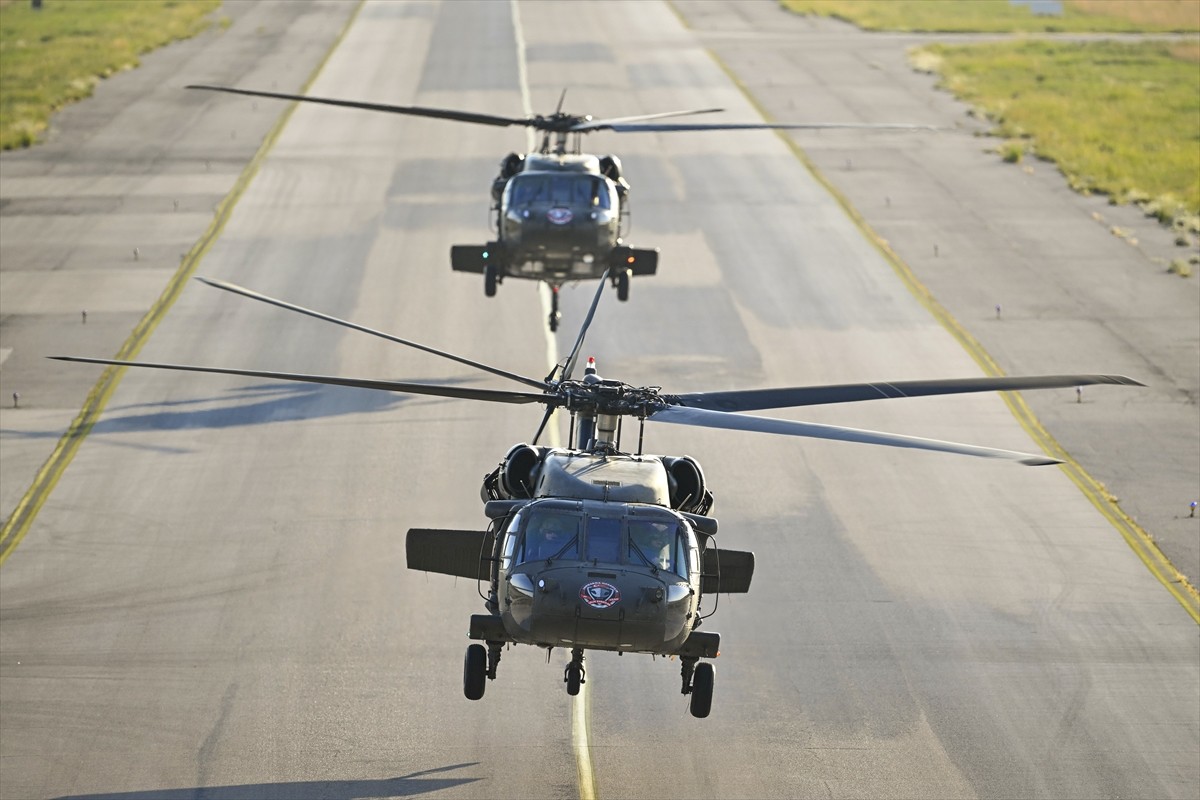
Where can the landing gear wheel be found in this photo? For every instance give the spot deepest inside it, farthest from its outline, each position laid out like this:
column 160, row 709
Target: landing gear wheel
column 623, row 285
column 702, row 689
column 475, row 670
column 574, row 679
column 573, row 676
column 489, row 280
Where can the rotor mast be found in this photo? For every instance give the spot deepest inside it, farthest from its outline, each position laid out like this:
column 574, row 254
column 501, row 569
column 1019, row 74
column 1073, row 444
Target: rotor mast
column 568, row 140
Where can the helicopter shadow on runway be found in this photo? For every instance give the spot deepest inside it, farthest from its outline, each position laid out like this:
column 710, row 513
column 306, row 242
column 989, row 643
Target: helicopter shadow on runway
column 410, row 785
column 258, row 404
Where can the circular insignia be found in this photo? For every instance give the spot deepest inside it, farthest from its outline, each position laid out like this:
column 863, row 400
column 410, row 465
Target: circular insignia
column 559, row 216
column 599, row 594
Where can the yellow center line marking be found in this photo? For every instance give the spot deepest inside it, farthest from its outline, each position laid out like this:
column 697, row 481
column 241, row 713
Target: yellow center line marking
column 581, row 743
column 579, row 705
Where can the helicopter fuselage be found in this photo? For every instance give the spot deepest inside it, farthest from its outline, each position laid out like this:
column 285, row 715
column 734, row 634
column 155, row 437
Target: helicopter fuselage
column 591, row 551
column 617, row 576
column 558, row 218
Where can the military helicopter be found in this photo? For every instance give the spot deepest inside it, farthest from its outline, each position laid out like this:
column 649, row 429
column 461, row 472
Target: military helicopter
column 591, row 547
column 559, row 213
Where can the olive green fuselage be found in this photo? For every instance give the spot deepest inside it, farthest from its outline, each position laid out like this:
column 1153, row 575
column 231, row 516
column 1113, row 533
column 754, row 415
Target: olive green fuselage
column 600, row 589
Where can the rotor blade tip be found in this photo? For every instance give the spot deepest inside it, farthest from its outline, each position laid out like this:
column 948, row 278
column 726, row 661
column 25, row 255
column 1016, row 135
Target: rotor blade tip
column 1040, row 461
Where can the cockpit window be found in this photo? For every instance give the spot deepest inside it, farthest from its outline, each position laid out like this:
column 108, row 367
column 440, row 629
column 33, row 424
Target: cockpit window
column 550, row 535
column 652, row 543
column 565, row 189
column 604, row 540
column 511, row 536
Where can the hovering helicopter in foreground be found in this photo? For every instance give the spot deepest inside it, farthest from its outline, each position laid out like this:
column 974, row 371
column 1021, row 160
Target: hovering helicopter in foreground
column 559, row 212
column 591, row 547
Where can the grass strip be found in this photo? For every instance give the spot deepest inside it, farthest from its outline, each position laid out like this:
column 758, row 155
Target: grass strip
column 55, row 55
column 1003, row 16
column 1119, row 118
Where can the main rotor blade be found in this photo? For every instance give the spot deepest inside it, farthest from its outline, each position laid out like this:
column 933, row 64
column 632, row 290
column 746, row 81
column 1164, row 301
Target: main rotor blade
column 488, row 395
column 412, row 111
column 253, row 295
column 670, row 127
column 719, row 419
column 607, row 124
column 759, row 399
column 574, row 357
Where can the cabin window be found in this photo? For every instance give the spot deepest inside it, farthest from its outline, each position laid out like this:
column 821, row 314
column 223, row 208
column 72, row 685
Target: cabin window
column 604, row 540
column 680, row 567
column 550, row 535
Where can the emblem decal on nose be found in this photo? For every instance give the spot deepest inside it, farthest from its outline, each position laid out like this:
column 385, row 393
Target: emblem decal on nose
column 599, row 594
column 559, row 216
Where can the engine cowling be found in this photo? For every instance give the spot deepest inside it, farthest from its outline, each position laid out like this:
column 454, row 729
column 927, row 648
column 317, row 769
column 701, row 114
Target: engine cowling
column 688, row 490
column 610, row 167
column 516, row 476
column 510, row 165
column 519, row 473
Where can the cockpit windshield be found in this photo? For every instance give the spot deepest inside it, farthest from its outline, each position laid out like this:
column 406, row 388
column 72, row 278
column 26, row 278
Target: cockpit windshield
column 552, row 534
column 560, row 189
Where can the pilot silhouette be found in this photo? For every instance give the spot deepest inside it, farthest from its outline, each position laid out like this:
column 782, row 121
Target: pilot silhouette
column 545, row 538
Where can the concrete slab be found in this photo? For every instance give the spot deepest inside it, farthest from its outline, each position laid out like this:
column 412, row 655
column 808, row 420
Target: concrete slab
column 981, row 234
column 100, row 215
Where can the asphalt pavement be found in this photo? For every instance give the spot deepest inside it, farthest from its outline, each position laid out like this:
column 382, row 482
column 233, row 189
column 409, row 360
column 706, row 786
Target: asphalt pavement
column 1030, row 269
column 212, row 600
column 96, row 220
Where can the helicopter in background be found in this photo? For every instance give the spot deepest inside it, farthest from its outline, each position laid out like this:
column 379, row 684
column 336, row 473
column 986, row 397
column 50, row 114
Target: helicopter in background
column 559, row 214
column 591, row 547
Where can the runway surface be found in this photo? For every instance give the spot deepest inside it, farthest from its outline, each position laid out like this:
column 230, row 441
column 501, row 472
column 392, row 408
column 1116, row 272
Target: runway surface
column 213, row 600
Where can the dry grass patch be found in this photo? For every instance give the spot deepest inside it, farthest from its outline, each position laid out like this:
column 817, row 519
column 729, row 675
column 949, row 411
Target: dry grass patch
column 1118, row 118
column 55, row 55
column 1001, row 16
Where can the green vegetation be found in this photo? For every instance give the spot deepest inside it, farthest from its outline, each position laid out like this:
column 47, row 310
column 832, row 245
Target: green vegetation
column 55, row 55
column 1012, row 151
column 1118, row 118
column 1001, row 16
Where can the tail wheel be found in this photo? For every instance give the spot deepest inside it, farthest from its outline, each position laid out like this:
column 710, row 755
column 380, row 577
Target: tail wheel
column 475, row 669
column 623, row 285
column 489, row 280
column 702, row 689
